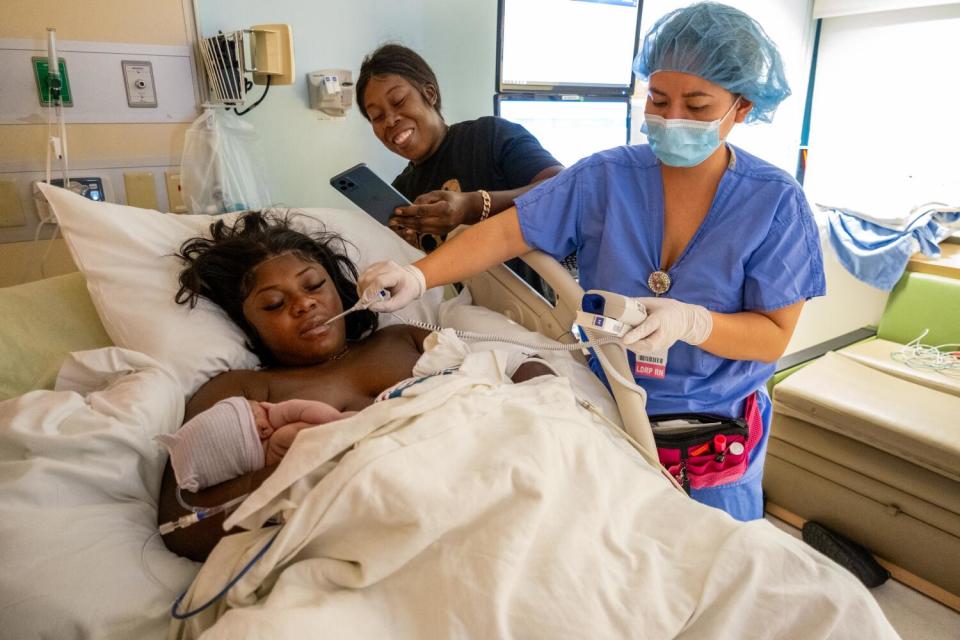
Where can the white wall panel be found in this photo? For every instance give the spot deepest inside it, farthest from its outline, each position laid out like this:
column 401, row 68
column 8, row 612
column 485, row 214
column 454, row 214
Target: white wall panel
column 96, row 82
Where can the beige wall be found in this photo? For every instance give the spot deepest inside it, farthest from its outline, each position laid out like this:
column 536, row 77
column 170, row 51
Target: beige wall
column 155, row 22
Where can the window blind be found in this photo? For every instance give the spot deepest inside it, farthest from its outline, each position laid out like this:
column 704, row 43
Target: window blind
column 837, row 8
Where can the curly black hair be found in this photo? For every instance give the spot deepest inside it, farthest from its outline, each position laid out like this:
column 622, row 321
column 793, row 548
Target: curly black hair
column 220, row 268
column 395, row 59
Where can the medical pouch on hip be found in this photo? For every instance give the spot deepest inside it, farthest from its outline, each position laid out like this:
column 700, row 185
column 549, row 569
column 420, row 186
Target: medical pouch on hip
column 700, row 449
column 703, row 450
column 614, row 314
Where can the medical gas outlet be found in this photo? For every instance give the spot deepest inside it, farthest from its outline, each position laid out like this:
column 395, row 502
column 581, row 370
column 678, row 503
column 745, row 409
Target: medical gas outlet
column 138, row 81
column 331, row 91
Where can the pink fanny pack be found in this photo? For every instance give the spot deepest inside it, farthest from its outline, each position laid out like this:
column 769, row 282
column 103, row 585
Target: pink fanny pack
column 704, row 450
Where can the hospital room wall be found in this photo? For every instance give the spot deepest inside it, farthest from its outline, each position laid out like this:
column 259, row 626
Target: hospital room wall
column 24, row 145
column 301, row 150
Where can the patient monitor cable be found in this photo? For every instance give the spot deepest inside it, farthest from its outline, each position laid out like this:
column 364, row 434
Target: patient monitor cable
column 592, row 343
column 196, row 515
column 602, row 312
column 226, row 588
column 943, row 358
column 619, row 315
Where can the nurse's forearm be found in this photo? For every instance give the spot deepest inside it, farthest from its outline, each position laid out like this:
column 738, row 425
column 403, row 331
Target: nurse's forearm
column 475, row 250
column 750, row 335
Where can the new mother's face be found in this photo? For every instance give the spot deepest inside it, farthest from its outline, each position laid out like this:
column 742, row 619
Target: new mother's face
column 287, row 305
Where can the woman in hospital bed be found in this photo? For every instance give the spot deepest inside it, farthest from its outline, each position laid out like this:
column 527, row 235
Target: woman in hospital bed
column 281, row 286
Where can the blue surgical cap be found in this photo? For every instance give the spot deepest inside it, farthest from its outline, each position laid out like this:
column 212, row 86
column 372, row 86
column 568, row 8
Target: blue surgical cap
column 720, row 44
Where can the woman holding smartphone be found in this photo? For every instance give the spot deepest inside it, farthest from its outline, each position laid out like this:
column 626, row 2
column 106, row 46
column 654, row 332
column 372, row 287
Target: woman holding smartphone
column 457, row 174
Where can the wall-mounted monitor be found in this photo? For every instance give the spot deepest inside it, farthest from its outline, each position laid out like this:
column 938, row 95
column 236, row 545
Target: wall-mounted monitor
column 575, row 46
column 569, row 127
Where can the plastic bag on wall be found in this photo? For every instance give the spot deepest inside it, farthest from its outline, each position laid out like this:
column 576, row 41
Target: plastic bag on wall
column 220, row 171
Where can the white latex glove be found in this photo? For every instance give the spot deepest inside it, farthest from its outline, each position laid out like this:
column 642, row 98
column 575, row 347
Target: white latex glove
column 667, row 322
column 404, row 282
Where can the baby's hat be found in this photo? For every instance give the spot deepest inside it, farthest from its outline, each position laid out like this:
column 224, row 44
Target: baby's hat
column 215, row 445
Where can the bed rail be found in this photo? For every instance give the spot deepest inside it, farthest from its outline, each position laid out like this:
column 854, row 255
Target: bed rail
column 502, row 290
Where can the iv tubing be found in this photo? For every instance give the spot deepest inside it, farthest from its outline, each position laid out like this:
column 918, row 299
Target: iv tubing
column 197, row 513
column 233, row 581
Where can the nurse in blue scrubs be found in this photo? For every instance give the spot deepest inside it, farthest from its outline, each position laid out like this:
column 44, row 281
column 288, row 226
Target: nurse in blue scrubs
column 719, row 245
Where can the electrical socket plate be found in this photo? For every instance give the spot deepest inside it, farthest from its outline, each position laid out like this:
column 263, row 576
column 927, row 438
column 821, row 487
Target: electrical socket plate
column 174, row 192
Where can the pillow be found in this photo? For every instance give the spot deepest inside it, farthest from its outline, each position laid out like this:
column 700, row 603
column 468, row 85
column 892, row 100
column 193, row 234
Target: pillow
column 42, row 322
column 126, row 255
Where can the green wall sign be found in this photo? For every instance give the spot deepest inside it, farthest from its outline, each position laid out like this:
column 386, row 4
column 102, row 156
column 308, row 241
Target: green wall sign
column 41, row 70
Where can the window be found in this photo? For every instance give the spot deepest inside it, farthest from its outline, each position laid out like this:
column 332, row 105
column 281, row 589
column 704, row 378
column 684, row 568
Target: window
column 883, row 136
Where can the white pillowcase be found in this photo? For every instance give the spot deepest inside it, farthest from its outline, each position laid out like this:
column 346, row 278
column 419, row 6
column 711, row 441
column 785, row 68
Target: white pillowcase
column 126, row 256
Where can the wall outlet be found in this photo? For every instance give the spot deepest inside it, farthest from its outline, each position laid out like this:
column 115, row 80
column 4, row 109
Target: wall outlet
column 141, row 189
column 175, row 192
column 11, row 213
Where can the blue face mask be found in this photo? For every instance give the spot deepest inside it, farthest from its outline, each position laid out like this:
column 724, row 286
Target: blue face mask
column 683, row 143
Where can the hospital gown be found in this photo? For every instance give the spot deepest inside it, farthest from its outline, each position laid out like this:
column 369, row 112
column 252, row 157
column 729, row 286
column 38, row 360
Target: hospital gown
column 757, row 249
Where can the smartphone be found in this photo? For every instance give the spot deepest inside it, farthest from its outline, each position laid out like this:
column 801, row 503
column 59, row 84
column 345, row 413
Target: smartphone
column 368, row 191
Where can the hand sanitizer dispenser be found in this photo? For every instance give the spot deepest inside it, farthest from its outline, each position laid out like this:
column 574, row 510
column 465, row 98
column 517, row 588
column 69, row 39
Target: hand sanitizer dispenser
column 331, row 91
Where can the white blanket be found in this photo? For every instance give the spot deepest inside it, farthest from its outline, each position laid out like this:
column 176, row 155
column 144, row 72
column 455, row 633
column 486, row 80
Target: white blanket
column 470, row 507
column 79, row 479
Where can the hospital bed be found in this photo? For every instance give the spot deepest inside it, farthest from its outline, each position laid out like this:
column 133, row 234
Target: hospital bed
column 531, row 514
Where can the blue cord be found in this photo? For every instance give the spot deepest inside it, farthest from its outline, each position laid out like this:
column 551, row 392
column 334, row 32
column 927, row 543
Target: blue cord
column 253, row 561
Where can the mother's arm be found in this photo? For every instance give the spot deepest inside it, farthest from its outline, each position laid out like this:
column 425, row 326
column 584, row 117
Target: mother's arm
column 253, row 385
column 197, row 541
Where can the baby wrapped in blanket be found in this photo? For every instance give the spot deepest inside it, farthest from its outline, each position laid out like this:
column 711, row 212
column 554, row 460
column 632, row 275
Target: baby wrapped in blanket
column 236, row 436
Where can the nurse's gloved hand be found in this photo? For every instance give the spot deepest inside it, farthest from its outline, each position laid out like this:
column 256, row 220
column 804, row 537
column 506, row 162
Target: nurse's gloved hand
column 404, row 282
column 667, row 322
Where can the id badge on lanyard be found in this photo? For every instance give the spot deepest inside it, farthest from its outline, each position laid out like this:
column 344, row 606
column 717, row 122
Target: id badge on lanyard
column 651, row 364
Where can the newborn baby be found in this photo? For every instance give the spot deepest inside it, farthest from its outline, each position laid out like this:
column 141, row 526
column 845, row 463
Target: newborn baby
column 237, row 435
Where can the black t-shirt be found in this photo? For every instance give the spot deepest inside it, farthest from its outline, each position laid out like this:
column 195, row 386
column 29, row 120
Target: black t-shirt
column 487, row 153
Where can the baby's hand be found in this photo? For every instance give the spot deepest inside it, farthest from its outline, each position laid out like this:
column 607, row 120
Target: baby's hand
column 261, row 419
column 279, row 443
column 314, row 414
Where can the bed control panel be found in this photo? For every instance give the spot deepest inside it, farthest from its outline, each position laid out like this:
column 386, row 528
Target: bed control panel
column 90, row 188
column 22, row 209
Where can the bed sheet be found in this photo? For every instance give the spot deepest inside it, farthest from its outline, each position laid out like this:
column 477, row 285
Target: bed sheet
column 79, row 478
column 468, row 506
